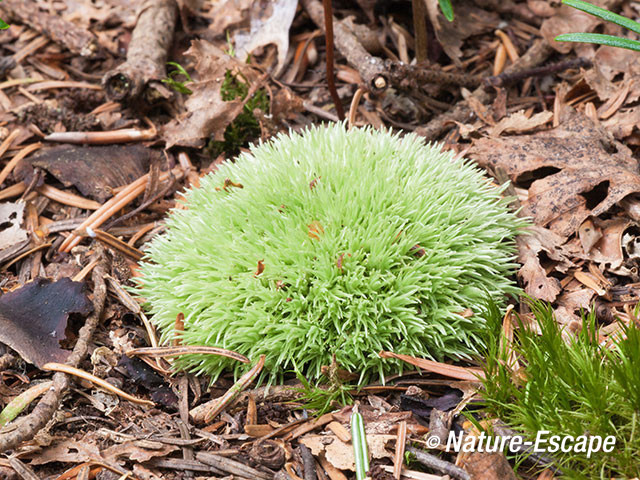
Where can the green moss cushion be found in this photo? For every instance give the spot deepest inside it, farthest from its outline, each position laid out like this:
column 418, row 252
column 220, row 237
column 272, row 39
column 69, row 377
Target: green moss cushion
column 333, row 242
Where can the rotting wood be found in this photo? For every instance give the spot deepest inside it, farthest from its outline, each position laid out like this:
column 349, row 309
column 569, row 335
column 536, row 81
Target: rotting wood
column 141, row 74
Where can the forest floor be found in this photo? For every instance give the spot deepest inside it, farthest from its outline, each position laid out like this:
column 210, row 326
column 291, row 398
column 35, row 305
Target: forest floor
column 99, row 136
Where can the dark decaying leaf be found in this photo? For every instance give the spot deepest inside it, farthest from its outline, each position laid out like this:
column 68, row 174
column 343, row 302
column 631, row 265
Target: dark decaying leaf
column 423, row 407
column 33, row 318
column 94, row 170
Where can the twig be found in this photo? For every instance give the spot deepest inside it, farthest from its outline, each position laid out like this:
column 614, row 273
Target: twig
column 141, row 74
column 331, row 80
column 401, row 443
column 216, row 407
column 509, row 78
column 8, row 168
column 231, row 466
column 417, row 75
column 48, row 405
column 113, row 242
column 67, row 34
column 419, row 10
column 103, row 138
column 308, row 463
column 186, row 350
column 438, row 464
column 67, row 198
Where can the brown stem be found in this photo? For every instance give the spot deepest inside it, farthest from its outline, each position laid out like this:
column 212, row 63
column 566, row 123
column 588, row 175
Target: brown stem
column 371, row 69
column 420, row 29
column 328, row 35
column 508, row 78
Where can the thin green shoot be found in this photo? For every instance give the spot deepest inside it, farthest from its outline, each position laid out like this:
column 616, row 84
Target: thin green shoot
column 598, row 38
column 447, row 9
column 175, row 84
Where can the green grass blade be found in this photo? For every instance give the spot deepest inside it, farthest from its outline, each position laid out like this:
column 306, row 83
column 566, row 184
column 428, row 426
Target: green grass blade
column 3, row 25
column 447, row 9
column 604, row 14
column 360, row 450
column 600, row 39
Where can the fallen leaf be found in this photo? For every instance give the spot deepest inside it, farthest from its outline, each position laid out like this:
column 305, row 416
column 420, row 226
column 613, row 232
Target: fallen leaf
column 270, row 23
column 468, row 20
column 34, row 317
column 537, row 283
column 487, row 466
column 589, row 235
column 228, row 13
column 577, row 169
column 206, row 112
column 11, row 232
column 340, row 454
column 623, row 122
column 91, row 168
column 518, row 123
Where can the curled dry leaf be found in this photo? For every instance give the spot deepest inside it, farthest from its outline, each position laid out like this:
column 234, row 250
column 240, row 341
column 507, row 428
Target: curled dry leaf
column 33, row 318
column 577, row 171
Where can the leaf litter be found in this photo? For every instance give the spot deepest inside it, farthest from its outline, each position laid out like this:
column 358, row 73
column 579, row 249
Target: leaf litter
column 567, row 142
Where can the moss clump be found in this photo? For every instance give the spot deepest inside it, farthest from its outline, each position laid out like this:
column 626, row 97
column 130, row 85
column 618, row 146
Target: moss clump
column 245, row 127
column 333, row 242
column 581, row 387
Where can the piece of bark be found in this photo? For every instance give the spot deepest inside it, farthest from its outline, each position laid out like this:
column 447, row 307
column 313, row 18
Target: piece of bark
column 76, row 39
column 141, row 74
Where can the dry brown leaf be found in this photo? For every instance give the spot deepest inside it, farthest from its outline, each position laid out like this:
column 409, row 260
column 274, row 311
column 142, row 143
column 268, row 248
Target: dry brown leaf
column 468, row 20
column 623, row 123
column 537, row 283
column 340, row 454
column 90, row 168
column 518, row 123
column 206, row 112
column 578, row 171
column 487, row 466
column 589, row 235
column 228, row 13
